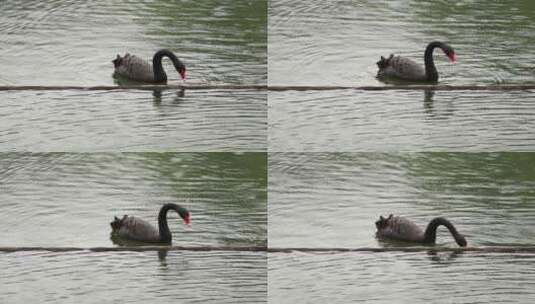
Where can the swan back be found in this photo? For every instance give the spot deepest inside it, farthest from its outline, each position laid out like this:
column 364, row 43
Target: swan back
column 400, row 67
column 399, row 228
column 134, row 228
column 133, row 67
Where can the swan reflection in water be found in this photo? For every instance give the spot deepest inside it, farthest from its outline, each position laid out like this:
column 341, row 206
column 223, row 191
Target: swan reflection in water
column 157, row 96
column 438, row 110
column 444, row 257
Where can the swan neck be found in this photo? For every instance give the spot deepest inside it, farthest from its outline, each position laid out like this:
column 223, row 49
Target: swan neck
column 159, row 73
column 430, row 68
column 430, row 235
column 165, row 233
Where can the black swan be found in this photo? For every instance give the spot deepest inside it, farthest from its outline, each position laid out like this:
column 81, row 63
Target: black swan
column 133, row 228
column 403, row 229
column 406, row 69
column 135, row 68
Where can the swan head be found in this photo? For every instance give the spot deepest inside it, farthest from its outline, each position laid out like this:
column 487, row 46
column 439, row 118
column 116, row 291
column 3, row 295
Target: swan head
column 184, row 214
column 117, row 223
column 461, row 241
column 117, row 61
column 448, row 50
column 383, row 222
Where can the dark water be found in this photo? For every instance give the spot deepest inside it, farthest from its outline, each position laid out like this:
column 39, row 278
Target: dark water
column 338, row 42
column 66, row 199
column 72, row 42
column 212, row 120
column 346, row 120
column 133, row 277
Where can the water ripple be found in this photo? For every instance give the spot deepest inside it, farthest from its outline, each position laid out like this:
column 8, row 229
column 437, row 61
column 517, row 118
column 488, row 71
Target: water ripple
column 133, row 121
column 333, row 199
column 128, row 277
column 401, row 120
column 379, row 278
column 338, row 43
column 65, row 199
column 72, row 42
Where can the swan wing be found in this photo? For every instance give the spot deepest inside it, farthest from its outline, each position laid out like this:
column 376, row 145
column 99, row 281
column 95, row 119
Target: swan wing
column 400, row 228
column 407, row 229
column 138, row 229
column 403, row 68
column 133, row 67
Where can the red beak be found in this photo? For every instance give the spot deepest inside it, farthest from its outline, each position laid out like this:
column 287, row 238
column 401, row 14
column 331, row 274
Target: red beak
column 187, row 221
column 452, row 57
column 182, row 73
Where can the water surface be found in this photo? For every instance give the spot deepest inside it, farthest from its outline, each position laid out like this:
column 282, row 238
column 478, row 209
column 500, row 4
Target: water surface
column 133, row 120
column 322, row 200
column 72, row 42
column 333, row 199
column 338, row 42
column 133, row 277
column 348, row 120
column 401, row 278
column 68, row 199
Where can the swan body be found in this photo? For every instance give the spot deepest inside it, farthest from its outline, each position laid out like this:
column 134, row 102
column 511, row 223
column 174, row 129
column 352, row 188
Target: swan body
column 403, row 229
column 402, row 68
column 407, row 69
column 135, row 68
column 137, row 229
